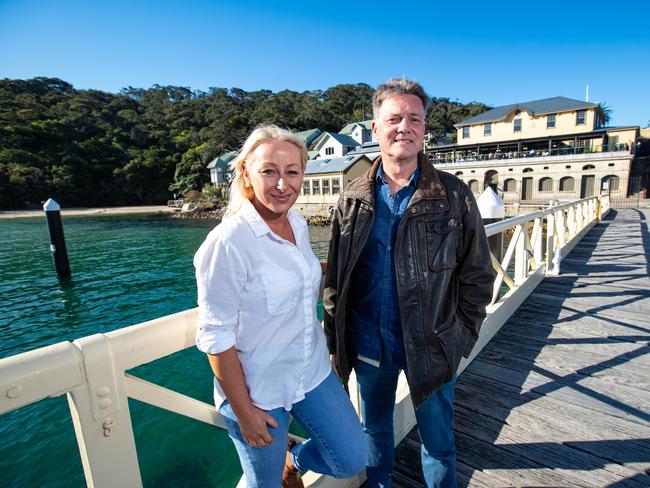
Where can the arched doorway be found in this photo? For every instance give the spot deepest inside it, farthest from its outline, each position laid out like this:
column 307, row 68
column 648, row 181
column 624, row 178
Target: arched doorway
column 491, row 179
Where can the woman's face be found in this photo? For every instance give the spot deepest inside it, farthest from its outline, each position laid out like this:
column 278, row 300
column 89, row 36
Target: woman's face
column 274, row 170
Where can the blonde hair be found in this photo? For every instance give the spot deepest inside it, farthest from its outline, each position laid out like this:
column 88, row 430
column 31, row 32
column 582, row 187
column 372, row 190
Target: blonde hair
column 239, row 192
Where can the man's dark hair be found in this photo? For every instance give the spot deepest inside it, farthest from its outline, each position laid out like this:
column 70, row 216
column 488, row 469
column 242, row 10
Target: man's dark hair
column 396, row 87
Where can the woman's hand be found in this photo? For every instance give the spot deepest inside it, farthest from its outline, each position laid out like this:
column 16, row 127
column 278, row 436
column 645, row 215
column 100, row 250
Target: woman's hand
column 253, row 425
column 252, row 420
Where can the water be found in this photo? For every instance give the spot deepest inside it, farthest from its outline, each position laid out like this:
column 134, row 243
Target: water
column 125, row 270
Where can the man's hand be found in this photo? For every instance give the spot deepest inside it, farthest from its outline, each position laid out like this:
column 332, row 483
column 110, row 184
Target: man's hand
column 253, row 425
column 334, row 364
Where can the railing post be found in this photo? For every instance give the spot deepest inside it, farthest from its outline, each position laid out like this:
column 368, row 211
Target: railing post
column 100, row 415
column 560, row 227
column 571, row 221
column 537, row 244
column 552, row 265
column 521, row 256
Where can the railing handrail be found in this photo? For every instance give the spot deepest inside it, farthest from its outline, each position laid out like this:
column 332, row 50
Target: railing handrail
column 498, row 227
column 465, row 154
column 91, row 370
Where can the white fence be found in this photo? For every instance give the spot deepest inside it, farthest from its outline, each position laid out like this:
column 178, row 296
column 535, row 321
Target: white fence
column 91, row 370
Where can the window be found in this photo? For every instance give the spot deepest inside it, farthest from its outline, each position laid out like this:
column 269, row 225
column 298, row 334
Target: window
column 329, row 151
column 546, row 184
column 458, row 173
column 326, row 186
column 335, row 186
column 516, row 125
column 588, row 167
column 487, row 129
column 550, row 121
column 315, row 186
column 510, row 185
column 567, row 184
column 580, row 117
column 528, row 170
column 466, row 132
column 613, row 182
column 306, row 187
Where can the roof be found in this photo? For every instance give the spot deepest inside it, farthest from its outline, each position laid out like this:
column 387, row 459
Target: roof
column 367, row 148
column 309, row 136
column 620, row 127
column 366, row 124
column 341, row 138
column 332, row 165
column 222, row 160
column 536, row 107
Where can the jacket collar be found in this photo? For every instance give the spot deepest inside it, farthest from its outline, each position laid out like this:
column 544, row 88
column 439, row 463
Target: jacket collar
column 429, row 185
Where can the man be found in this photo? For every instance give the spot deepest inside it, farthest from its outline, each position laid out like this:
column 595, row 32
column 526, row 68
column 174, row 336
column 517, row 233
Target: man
column 408, row 279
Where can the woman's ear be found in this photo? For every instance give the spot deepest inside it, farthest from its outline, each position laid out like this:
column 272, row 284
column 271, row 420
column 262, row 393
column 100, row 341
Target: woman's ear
column 244, row 172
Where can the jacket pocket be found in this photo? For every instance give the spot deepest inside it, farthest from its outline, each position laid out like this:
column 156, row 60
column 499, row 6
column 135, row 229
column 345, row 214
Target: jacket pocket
column 452, row 339
column 441, row 243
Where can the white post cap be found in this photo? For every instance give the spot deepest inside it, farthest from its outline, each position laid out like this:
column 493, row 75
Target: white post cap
column 51, row 205
column 490, row 205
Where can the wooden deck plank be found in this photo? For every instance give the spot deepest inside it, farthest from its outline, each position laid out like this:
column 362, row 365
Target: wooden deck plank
column 561, row 396
column 585, row 421
column 558, row 455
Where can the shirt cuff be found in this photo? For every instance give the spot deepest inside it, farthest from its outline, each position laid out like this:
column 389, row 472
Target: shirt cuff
column 213, row 339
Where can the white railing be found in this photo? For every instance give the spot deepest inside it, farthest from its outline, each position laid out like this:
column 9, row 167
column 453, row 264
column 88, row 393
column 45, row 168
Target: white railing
column 91, row 370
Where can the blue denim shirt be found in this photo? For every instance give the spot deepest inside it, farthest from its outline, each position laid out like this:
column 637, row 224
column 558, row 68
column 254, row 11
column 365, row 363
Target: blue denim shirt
column 374, row 308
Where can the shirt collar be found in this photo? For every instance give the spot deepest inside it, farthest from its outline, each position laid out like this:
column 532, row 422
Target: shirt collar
column 257, row 223
column 413, row 180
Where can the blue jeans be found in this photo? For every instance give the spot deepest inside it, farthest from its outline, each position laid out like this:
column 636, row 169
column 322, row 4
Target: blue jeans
column 336, row 446
column 435, row 419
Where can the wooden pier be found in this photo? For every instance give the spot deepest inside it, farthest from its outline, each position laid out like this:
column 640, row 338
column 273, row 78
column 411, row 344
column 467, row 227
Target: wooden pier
column 561, row 395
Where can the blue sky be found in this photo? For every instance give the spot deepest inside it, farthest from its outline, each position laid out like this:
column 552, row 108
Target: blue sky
column 493, row 52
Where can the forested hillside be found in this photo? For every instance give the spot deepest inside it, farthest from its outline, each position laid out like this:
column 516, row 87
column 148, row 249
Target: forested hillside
column 93, row 148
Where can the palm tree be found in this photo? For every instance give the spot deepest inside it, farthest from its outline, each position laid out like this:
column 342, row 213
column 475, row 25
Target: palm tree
column 603, row 115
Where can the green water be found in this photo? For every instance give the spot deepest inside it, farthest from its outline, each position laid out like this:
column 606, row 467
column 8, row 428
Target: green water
column 125, row 270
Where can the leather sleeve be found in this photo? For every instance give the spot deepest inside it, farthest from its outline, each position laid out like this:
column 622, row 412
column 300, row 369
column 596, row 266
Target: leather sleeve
column 330, row 291
column 475, row 272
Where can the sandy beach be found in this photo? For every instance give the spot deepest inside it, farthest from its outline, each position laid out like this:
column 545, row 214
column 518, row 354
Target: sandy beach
column 13, row 214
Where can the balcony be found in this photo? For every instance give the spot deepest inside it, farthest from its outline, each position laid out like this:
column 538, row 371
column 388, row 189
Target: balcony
column 467, row 156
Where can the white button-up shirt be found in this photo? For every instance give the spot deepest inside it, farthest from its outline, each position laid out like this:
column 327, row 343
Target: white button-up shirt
column 258, row 292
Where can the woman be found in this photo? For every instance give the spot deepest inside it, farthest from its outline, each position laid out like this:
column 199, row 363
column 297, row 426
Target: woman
column 258, row 282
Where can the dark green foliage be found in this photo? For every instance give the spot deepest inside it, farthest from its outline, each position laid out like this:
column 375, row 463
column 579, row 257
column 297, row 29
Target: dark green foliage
column 92, row 148
column 444, row 113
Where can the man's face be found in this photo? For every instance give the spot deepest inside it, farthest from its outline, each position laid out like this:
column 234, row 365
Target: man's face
column 399, row 127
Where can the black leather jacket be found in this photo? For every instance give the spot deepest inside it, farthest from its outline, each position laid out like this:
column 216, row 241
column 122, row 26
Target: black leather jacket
column 443, row 271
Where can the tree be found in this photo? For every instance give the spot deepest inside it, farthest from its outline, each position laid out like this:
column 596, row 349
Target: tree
column 603, row 115
column 88, row 147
